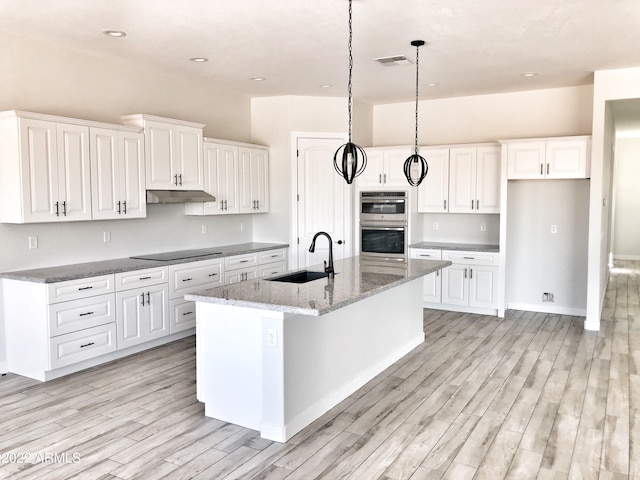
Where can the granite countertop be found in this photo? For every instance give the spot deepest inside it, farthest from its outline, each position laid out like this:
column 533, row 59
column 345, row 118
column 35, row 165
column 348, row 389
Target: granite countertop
column 353, row 281
column 471, row 247
column 106, row 267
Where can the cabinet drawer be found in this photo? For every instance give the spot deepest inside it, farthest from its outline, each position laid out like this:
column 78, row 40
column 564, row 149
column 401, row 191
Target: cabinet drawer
column 83, row 345
column 272, row 256
column 67, row 317
column 470, row 258
column 427, row 253
column 80, row 288
column 272, row 269
column 183, row 315
column 241, row 261
column 196, row 276
column 141, row 278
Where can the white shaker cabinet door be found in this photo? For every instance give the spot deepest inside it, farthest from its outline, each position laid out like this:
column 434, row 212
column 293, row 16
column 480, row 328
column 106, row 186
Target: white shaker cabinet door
column 455, row 285
column 74, row 172
column 488, row 172
column 433, row 192
column 462, row 180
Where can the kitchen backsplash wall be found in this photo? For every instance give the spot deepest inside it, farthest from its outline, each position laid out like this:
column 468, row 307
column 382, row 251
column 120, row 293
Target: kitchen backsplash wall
column 461, row 228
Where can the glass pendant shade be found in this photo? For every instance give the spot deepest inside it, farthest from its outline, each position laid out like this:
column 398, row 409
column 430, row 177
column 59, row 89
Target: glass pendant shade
column 416, row 166
column 350, row 160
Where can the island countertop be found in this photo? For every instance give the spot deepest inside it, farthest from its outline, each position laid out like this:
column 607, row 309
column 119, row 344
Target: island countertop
column 353, row 281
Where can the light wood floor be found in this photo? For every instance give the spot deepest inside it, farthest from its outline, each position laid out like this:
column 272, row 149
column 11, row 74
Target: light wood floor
column 529, row 396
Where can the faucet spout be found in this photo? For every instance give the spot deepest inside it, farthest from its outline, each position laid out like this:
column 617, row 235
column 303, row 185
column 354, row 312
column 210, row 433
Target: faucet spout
column 328, row 268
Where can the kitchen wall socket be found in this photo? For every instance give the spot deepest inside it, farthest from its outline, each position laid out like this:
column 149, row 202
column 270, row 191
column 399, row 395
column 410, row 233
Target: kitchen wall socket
column 204, row 229
column 33, row 242
column 554, row 229
column 272, row 338
column 242, row 226
column 106, row 237
column 547, row 297
column 483, row 227
column 435, row 225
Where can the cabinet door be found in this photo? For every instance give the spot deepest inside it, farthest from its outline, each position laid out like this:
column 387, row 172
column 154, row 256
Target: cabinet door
column 393, row 173
column 372, row 175
column 183, row 315
column 240, row 275
column 253, row 180
column 433, row 192
column 483, row 286
column 567, row 159
column 132, row 177
column 39, row 157
column 525, row 160
column 160, row 172
column 488, row 180
column 462, row 180
column 158, row 312
column 186, row 157
column 105, row 180
column 142, row 315
column 432, row 288
column 455, row 285
column 74, row 172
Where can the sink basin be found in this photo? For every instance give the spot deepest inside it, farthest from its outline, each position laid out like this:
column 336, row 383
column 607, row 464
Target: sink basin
column 303, row 276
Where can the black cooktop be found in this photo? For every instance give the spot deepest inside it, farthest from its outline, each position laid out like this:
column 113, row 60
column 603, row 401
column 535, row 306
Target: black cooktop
column 179, row 255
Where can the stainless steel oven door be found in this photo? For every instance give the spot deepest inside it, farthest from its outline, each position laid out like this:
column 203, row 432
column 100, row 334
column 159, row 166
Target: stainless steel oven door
column 383, row 209
column 383, row 242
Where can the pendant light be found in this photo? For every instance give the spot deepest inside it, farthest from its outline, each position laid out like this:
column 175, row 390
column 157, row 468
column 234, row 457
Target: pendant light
column 350, row 159
column 416, row 167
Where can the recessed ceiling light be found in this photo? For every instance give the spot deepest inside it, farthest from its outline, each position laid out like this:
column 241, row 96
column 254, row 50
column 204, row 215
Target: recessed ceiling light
column 258, row 79
column 432, row 84
column 114, row 33
column 199, row 59
column 529, row 74
column 326, row 85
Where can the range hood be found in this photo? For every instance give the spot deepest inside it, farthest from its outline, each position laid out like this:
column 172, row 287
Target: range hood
column 178, row 196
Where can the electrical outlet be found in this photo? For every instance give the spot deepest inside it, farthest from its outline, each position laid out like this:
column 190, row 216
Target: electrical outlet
column 242, row 226
column 554, row 229
column 204, row 229
column 547, row 297
column 272, row 338
column 33, row 242
column 106, row 237
column 483, row 227
column 435, row 225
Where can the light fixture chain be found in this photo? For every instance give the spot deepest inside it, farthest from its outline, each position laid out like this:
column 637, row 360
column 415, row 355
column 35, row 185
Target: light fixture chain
column 417, row 70
column 350, row 65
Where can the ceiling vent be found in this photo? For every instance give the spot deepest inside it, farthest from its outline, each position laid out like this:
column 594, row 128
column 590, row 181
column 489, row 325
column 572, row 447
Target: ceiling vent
column 393, row 61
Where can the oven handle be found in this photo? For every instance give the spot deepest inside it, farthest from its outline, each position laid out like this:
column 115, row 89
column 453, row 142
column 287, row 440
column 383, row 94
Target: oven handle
column 383, row 200
column 395, row 229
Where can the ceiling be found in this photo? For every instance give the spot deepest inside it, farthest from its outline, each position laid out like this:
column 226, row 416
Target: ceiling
column 473, row 47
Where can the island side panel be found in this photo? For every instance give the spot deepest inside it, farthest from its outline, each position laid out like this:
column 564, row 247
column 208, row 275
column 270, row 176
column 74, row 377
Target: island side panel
column 329, row 357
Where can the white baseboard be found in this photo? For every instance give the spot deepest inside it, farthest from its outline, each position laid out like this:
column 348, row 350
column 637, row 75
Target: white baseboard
column 462, row 309
column 279, row 434
column 576, row 312
column 3, row 367
column 592, row 326
column 626, row 257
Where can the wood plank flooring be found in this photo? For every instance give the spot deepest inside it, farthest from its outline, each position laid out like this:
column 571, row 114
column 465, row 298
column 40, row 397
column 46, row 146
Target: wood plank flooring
column 531, row 396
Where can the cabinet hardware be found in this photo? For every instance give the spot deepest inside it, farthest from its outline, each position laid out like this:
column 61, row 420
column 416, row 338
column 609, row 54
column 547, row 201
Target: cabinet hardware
column 541, row 167
column 85, row 288
column 142, row 299
column 125, row 206
column 187, row 279
column 186, row 313
column 465, row 273
column 437, row 273
column 471, row 204
column 145, row 278
column 477, row 205
column 148, row 298
column 469, row 258
column 119, row 212
column 244, row 261
column 87, row 344
column 213, row 274
column 85, row 314
column 339, row 242
column 257, row 204
column 379, row 178
column 57, row 209
column 175, row 179
column 180, row 178
column 64, row 208
column 547, row 169
column 445, row 204
column 425, row 255
column 385, row 178
column 274, row 256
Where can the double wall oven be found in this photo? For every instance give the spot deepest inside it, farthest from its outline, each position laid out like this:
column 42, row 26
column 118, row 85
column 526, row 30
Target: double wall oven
column 383, row 227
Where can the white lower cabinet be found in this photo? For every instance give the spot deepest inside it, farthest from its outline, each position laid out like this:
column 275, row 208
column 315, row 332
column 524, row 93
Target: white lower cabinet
column 469, row 284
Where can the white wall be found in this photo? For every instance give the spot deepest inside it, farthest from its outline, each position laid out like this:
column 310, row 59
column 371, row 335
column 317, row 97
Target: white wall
column 626, row 233
column 40, row 77
column 608, row 85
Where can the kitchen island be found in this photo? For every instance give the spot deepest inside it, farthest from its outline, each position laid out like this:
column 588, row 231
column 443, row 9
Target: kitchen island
column 274, row 356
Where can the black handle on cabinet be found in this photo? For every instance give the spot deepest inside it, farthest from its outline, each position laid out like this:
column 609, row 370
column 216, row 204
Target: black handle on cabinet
column 142, row 299
column 541, row 167
column 187, row 279
column 465, row 273
column 87, row 344
column 477, row 205
column 119, row 211
column 57, row 209
column 547, row 169
column 175, row 179
column 244, row 261
column 180, row 177
column 213, row 274
column 469, row 258
column 471, row 273
column 186, row 313
column 340, row 242
column 148, row 298
column 85, row 288
column 445, row 204
column 85, row 314
column 64, row 208
column 145, row 278
column 125, row 206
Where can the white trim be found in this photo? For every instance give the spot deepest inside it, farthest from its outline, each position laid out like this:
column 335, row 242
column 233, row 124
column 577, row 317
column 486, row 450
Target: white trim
column 3, row 367
column 576, row 312
column 592, row 326
column 461, row 308
column 626, row 257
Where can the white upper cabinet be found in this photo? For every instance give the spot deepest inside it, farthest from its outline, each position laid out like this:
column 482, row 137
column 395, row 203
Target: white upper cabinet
column 117, row 174
column 45, row 171
column 385, row 167
column 433, row 192
column 551, row 158
column 488, row 170
column 173, row 152
column 253, row 179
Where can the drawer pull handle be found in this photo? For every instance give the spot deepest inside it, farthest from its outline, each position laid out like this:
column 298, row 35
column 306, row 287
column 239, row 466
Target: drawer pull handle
column 145, row 278
column 186, row 313
column 213, row 274
column 275, row 256
column 85, row 314
column 87, row 344
column 425, row 255
column 85, row 288
column 187, row 279
column 244, row 261
column 469, row 258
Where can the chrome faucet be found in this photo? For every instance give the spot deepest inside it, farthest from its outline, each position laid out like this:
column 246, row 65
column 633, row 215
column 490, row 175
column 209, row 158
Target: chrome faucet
column 327, row 268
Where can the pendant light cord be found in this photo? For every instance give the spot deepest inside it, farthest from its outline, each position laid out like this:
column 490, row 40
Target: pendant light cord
column 350, row 65
column 417, row 70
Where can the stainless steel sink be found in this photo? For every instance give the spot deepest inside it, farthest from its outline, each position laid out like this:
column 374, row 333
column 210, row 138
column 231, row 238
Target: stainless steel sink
column 303, row 276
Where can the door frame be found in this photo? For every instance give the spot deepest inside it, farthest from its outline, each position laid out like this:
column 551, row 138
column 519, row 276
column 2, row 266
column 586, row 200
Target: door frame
column 293, row 237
